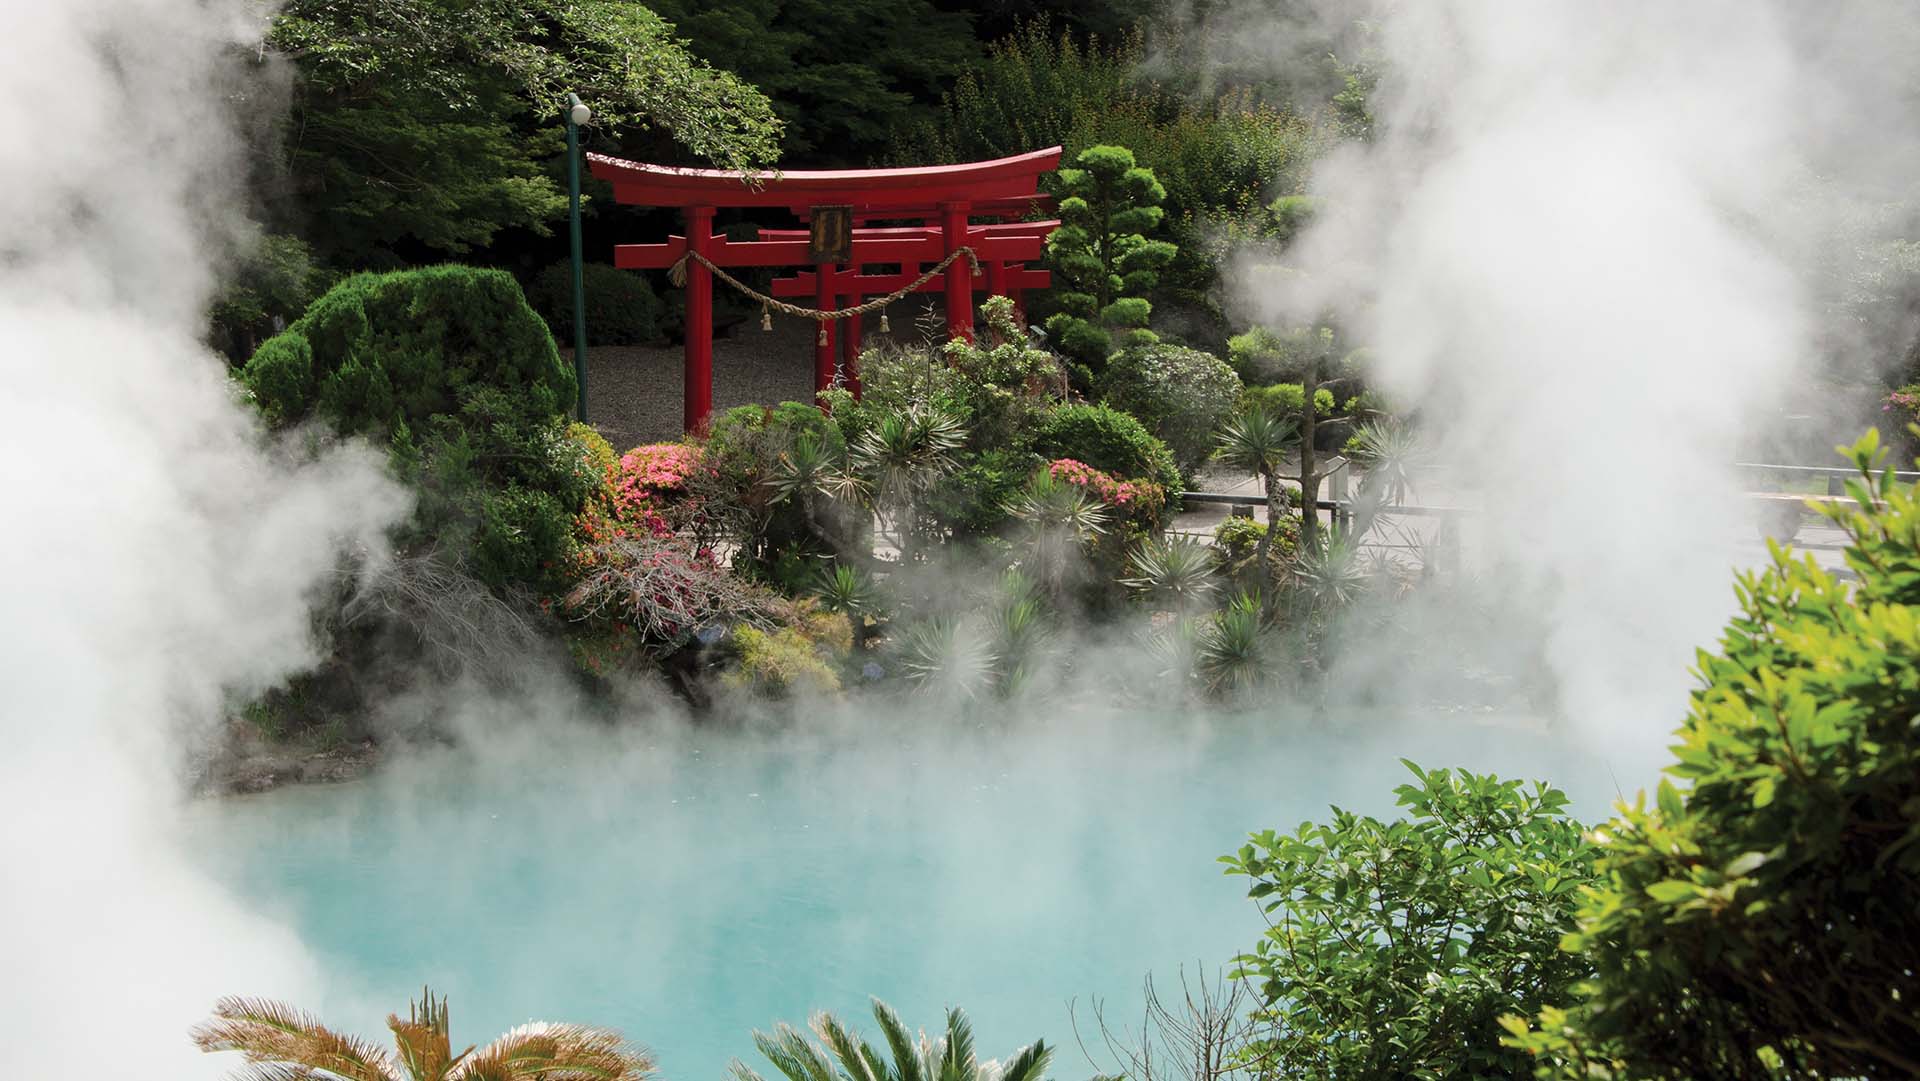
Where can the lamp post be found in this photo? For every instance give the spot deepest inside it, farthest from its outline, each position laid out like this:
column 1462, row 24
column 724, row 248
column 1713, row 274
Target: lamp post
column 577, row 114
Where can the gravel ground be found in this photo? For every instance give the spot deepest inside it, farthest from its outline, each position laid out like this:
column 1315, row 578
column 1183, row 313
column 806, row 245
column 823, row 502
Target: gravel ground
column 634, row 392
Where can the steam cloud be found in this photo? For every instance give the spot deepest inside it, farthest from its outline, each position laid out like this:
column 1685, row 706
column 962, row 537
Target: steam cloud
column 154, row 560
column 1581, row 242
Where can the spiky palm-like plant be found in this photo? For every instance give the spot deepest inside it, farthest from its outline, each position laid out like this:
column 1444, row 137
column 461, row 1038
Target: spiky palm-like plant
column 946, row 654
column 841, row 1055
column 1390, row 452
column 994, row 649
column 1256, row 442
column 1233, row 648
column 281, row 1043
column 902, row 457
column 1061, row 518
column 1333, row 577
column 846, row 590
column 1173, row 572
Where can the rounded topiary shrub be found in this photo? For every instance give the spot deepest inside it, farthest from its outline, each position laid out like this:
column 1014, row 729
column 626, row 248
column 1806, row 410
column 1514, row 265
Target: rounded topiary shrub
column 380, row 352
column 622, row 308
column 1181, row 395
column 1108, row 440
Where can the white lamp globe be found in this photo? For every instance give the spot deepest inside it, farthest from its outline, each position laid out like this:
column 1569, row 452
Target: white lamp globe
column 580, row 114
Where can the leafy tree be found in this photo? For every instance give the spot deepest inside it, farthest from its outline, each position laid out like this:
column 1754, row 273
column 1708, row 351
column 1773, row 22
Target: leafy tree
column 429, row 124
column 842, row 74
column 273, row 282
column 842, row 1055
column 1394, row 947
column 1102, row 254
column 282, row 1042
column 1759, row 923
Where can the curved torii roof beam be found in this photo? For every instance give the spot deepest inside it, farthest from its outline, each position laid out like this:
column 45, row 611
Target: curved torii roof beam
column 641, row 184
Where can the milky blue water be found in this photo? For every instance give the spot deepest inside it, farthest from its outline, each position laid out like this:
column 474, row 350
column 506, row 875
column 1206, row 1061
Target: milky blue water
column 690, row 890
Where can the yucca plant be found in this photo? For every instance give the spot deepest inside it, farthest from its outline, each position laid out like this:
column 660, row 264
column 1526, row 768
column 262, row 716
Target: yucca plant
column 1391, row 453
column 1257, row 443
column 1173, row 572
column 946, row 654
column 901, row 458
column 842, row 1055
column 1333, row 577
column 1233, row 650
column 820, row 479
column 847, row 590
column 1060, row 520
column 281, row 1043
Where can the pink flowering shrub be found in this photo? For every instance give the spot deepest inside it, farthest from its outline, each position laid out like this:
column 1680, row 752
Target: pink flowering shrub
column 651, row 474
column 1124, row 494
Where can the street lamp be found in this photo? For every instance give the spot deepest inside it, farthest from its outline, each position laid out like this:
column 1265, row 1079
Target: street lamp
column 577, row 114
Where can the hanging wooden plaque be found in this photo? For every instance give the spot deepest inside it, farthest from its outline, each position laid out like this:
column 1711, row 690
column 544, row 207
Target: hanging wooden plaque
column 830, row 234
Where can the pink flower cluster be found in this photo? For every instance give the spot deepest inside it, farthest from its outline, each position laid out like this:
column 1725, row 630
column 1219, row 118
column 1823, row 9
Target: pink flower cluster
column 1907, row 398
column 1114, row 493
column 659, row 468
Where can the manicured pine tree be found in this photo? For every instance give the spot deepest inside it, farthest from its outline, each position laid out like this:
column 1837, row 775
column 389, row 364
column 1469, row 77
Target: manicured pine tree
column 1106, row 264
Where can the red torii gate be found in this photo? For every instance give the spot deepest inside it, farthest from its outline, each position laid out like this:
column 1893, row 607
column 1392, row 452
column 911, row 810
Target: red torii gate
column 942, row 198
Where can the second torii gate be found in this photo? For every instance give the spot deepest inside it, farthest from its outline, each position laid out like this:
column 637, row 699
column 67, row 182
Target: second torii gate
column 942, row 199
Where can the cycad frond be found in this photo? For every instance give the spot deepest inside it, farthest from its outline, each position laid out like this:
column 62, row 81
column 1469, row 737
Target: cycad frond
column 958, row 1063
column 857, row 1060
column 906, row 1058
column 1027, row 1064
column 280, row 1041
column 551, row 1051
column 792, row 1055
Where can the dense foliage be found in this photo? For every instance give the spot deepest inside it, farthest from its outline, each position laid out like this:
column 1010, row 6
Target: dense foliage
column 1756, row 921
column 842, row 74
column 1394, row 947
column 621, row 307
column 426, row 126
column 1181, row 395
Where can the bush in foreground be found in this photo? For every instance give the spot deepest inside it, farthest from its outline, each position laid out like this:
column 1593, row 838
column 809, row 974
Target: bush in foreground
column 1759, row 922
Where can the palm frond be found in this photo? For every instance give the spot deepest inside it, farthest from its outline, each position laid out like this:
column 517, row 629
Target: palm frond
column 790, row 1052
column 906, row 1058
column 274, row 1034
column 958, row 1063
column 856, row 1058
column 552, row 1051
column 1028, row 1064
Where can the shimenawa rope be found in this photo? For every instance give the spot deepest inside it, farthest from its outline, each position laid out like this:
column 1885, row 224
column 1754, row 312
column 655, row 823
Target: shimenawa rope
column 677, row 274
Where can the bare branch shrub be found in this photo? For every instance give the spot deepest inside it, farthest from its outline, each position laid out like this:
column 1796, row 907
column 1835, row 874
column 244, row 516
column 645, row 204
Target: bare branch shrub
column 463, row 626
column 1210, row 1033
column 666, row 589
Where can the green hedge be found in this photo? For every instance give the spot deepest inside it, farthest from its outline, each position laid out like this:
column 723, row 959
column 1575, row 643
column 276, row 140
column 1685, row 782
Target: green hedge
column 1108, row 440
column 383, row 351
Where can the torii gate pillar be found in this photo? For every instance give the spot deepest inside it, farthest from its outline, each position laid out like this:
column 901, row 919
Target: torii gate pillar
column 953, row 228
column 697, row 391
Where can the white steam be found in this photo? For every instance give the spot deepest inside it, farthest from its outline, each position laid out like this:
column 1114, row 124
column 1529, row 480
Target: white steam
column 153, row 558
column 1567, row 245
